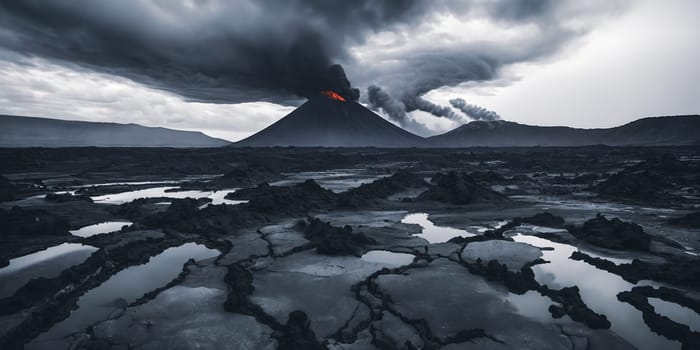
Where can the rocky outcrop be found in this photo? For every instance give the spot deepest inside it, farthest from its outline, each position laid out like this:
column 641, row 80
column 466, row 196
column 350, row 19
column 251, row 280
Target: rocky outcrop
column 240, row 286
column 680, row 271
column 331, row 240
column 297, row 334
column 458, row 188
column 573, row 305
column 379, row 189
column 185, row 216
column 612, row 234
column 292, row 200
column 650, row 181
column 643, row 186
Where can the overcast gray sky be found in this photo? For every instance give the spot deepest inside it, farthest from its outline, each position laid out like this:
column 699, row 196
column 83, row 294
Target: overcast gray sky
column 231, row 68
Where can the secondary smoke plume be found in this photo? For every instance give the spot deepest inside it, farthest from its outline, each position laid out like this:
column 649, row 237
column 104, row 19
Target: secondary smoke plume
column 419, row 103
column 473, row 111
column 394, row 109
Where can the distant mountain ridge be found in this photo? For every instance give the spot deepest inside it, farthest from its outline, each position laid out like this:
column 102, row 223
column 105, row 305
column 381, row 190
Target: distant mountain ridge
column 16, row 131
column 652, row 131
column 324, row 122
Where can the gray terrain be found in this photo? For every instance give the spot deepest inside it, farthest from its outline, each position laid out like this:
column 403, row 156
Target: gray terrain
column 253, row 248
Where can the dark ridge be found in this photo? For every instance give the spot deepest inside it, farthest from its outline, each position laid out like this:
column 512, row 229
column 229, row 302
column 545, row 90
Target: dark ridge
column 653, row 131
column 16, row 131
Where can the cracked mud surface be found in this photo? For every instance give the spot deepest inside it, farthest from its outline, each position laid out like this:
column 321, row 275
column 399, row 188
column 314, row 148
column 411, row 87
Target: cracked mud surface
column 331, row 265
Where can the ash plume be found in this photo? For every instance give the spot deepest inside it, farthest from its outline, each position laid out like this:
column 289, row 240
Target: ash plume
column 473, row 111
column 421, row 104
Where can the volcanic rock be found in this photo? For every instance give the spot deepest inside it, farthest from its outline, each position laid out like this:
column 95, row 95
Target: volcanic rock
column 297, row 334
column 297, row 199
column 613, row 234
column 380, row 189
column 628, row 185
column 573, row 305
column 458, row 188
column 331, row 240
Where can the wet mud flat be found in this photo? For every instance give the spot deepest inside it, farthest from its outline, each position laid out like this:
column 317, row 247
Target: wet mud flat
column 288, row 248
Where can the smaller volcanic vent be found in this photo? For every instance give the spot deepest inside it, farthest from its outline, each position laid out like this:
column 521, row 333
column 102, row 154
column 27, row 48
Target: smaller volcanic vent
column 333, row 95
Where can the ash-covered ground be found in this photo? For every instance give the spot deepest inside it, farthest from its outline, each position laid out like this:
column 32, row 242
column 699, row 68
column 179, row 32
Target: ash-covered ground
column 292, row 248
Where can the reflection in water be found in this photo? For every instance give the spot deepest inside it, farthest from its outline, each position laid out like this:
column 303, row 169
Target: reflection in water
column 217, row 197
column 598, row 290
column 387, row 257
column 532, row 305
column 677, row 313
column 432, row 233
column 124, row 287
column 47, row 263
column 103, row 227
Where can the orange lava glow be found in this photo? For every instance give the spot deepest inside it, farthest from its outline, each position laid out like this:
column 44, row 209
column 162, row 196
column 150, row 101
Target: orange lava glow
column 334, row 95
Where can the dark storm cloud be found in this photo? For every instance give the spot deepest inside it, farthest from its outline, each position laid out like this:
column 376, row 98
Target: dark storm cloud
column 267, row 50
column 220, row 51
column 473, row 111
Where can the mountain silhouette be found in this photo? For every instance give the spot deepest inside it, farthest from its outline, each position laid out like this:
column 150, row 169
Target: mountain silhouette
column 324, row 121
column 16, row 131
column 654, row 131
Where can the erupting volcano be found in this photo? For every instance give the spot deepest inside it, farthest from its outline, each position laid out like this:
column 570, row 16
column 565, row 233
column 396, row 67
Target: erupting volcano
column 332, row 118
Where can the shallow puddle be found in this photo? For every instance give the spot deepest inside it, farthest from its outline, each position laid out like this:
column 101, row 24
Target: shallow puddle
column 532, row 305
column 431, row 232
column 598, row 290
column 103, row 227
column 677, row 313
column 124, row 287
column 388, row 258
column 217, row 197
column 47, row 263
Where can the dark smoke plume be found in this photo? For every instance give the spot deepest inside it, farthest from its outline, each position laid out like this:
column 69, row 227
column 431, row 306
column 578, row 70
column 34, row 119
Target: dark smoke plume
column 473, row 111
